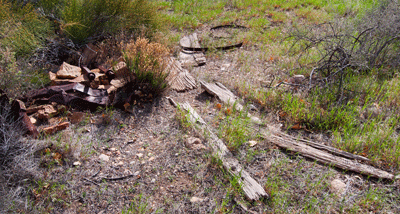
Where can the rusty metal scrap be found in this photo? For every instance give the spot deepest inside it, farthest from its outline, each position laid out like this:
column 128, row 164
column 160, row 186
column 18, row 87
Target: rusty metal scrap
column 73, row 94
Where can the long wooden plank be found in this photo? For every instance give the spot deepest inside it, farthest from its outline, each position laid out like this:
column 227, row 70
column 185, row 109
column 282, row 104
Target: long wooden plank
column 226, row 96
column 326, row 148
column 252, row 189
column 327, row 158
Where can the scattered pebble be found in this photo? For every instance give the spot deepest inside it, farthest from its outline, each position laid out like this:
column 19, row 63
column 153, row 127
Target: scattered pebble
column 252, row 143
column 196, row 200
column 136, row 173
column 338, row 186
column 152, row 158
column 104, row 157
column 153, row 180
column 139, row 155
column 77, row 163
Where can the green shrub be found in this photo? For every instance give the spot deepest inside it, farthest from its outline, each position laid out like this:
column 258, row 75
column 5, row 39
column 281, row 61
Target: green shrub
column 147, row 62
column 21, row 29
column 84, row 19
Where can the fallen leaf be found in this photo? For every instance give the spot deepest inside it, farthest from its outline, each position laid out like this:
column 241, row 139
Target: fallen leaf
column 296, row 126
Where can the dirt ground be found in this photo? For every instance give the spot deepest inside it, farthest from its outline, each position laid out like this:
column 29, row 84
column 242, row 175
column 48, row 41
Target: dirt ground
column 149, row 168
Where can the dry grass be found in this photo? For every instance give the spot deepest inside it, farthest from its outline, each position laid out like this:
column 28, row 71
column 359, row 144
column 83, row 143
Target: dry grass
column 147, row 62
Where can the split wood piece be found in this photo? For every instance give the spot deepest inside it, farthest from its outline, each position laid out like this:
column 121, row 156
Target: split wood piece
column 53, row 129
column 325, row 147
column 68, row 71
column 18, row 110
column 190, row 58
column 327, row 158
column 89, row 54
column 179, row 79
column 226, row 96
column 251, row 188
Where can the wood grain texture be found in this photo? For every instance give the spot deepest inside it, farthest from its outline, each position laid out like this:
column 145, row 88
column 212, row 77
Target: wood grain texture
column 252, row 189
column 327, row 158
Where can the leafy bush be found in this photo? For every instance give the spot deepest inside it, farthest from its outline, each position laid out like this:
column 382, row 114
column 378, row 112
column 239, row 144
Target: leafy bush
column 83, row 19
column 147, row 61
column 362, row 45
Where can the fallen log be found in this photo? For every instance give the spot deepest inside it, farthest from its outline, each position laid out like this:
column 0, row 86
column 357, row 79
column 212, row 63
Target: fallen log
column 252, row 189
column 327, row 158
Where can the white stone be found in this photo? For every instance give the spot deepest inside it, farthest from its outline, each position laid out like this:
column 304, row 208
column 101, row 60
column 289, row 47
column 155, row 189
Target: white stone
column 77, row 163
column 196, row 200
column 139, row 155
column 252, row 143
column 104, row 157
column 338, row 186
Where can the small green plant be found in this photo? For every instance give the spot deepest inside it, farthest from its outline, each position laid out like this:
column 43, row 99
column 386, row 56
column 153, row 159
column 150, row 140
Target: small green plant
column 107, row 17
column 138, row 206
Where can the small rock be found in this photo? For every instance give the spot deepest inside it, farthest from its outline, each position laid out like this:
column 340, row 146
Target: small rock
column 296, row 79
column 338, row 186
column 132, row 162
column 33, row 120
column 139, row 155
column 196, row 200
column 152, row 158
column 120, row 163
column 77, row 163
column 153, row 180
column 252, row 143
column 113, row 149
column 136, row 173
column 104, row 157
column 195, row 144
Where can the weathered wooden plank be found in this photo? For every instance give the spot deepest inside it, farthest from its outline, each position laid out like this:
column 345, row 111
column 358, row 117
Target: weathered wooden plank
column 191, row 58
column 179, row 79
column 226, row 96
column 252, row 189
column 327, row 158
column 326, row 148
